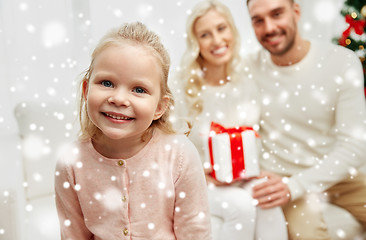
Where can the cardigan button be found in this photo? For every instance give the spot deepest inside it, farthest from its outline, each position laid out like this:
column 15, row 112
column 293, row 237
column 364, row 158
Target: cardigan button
column 120, row 162
column 125, row 231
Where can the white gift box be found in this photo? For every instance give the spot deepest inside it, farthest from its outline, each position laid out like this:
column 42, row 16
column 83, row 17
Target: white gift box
column 233, row 153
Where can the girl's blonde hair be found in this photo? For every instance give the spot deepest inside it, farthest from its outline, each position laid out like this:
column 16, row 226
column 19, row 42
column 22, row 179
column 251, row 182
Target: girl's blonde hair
column 136, row 34
column 190, row 70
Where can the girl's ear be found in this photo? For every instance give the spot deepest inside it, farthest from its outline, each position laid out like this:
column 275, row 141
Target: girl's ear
column 162, row 106
column 85, row 87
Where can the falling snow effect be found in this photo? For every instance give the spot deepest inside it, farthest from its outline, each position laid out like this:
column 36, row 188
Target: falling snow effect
column 42, row 62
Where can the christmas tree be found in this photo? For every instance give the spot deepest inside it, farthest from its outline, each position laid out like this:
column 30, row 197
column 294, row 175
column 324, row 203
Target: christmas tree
column 354, row 37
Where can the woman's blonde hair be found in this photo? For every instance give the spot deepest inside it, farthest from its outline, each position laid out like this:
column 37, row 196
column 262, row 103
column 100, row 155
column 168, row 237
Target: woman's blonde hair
column 137, row 34
column 191, row 71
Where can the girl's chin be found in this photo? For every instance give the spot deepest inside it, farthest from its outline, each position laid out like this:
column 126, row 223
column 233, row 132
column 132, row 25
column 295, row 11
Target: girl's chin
column 114, row 135
column 120, row 136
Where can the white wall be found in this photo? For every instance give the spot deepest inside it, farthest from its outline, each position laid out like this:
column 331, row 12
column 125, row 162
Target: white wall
column 45, row 45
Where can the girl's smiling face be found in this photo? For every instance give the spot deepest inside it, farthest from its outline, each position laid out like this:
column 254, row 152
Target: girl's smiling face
column 215, row 38
column 123, row 95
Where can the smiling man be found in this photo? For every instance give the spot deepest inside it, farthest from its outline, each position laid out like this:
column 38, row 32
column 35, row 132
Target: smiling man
column 312, row 121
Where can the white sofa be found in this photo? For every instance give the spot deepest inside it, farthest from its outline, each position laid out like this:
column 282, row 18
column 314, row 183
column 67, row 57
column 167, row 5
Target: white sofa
column 8, row 215
column 44, row 128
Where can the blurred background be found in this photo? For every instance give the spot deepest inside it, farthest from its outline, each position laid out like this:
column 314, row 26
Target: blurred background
column 45, row 45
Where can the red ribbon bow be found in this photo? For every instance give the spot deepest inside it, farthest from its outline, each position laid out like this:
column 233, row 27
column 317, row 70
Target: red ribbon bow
column 236, row 146
column 357, row 25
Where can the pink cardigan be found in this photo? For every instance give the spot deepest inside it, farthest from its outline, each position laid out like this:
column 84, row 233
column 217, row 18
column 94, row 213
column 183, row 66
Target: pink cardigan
column 158, row 194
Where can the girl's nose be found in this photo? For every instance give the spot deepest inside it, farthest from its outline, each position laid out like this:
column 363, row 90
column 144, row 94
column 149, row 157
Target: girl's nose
column 119, row 98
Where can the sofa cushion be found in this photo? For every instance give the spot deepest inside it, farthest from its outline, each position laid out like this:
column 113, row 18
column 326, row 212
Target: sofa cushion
column 44, row 129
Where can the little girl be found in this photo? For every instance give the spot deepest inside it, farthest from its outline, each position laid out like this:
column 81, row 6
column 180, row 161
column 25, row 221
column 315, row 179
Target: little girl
column 128, row 176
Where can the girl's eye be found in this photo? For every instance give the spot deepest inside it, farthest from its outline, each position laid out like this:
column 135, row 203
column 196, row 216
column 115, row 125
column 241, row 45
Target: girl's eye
column 107, row 83
column 139, row 90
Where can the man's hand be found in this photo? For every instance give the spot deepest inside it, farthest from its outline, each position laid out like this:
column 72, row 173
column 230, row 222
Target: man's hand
column 271, row 193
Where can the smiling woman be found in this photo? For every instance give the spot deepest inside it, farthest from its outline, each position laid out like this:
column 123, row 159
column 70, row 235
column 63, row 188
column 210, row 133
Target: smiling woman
column 218, row 92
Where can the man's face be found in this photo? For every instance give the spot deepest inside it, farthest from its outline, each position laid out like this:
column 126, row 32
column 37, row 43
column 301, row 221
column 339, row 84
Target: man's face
column 275, row 24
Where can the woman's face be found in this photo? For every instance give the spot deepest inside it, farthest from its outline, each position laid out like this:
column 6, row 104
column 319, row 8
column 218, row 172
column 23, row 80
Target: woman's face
column 215, row 38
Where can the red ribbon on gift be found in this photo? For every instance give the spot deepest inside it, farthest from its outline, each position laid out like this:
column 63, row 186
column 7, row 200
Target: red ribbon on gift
column 236, row 146
column 357, row 25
